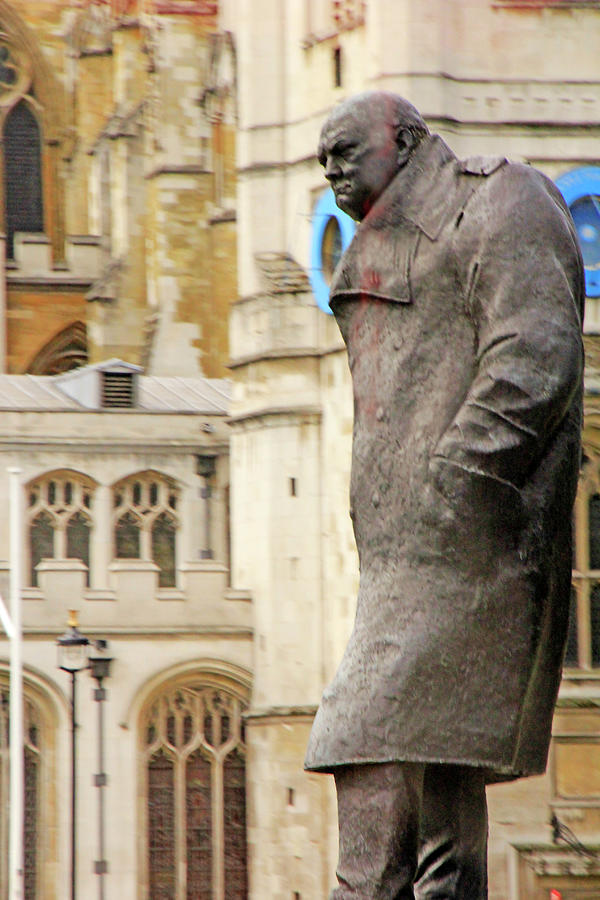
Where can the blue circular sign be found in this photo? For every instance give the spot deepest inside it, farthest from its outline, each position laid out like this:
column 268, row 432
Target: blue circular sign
column 325, row 210
column 581, row 190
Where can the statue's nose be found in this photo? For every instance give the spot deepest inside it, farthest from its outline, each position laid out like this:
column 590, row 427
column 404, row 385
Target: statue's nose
column 332, row 169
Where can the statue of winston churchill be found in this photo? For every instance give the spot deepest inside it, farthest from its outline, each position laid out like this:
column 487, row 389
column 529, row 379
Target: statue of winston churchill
column 460, row 300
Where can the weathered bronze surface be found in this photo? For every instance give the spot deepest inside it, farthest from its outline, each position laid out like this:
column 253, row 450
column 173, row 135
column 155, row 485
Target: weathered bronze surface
column 460, row 301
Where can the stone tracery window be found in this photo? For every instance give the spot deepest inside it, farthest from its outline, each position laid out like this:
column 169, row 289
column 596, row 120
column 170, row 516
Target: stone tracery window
column 16, row 70
column 59, row 517
column 194, row 771
column 32, row 833
column 22, row 173
column 8, row 69
column 146, row 520
column 65, row 351
column 22, row 143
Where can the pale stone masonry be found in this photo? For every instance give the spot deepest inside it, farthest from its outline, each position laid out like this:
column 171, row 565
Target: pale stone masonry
column 512, row 78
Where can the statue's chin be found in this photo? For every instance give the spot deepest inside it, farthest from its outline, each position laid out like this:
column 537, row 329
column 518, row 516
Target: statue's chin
column 343, row 202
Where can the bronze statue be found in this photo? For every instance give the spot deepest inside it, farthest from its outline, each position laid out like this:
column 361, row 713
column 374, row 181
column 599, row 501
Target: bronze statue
column 460, row 300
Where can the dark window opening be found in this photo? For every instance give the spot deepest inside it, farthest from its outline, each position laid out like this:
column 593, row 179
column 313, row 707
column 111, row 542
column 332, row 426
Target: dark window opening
column 78, row 540
column 171, row 736
column 234, row 809
column 163, row 550
column 337, row 67
column 208, row 729
column 127, row 537
column 41, row 542
column 22, row 175
column 594, row 531
column 586, row 216
column 161, row 827
column 595, row 623
column 331, row 248
column 572, row 651
column 30, row 823
column 31, row 772
column 199, row 831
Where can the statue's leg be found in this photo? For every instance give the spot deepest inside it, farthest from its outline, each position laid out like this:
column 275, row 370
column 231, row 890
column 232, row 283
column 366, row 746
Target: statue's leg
column 378, row 813
column 453, row 846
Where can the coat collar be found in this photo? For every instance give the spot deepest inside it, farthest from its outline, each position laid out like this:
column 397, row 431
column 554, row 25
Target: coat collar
column 420, row 198
column 423, row 196
column 423, row 192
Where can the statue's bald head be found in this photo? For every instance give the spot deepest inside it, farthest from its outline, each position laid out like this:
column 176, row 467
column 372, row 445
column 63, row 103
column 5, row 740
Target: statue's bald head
column 365, row 141
column 381, row 107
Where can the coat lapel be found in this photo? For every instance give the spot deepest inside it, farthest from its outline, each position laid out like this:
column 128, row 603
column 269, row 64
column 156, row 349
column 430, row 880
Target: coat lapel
column 419, row 201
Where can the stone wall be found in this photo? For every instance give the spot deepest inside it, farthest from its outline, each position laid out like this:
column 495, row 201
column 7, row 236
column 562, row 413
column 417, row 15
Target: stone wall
column 498, row 78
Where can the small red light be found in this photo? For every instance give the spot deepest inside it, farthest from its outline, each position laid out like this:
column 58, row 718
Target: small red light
column 555, row 895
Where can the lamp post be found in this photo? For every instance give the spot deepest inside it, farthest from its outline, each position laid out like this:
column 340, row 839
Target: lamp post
column 99, row 670
column 73, row 658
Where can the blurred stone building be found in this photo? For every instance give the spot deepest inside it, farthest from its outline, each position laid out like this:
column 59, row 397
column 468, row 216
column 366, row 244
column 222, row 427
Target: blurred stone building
column 188, row 495
column 117, row 273
column 512, row 77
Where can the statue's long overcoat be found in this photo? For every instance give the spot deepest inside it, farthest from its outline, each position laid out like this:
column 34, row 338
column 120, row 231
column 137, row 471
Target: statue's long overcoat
column 460, row 301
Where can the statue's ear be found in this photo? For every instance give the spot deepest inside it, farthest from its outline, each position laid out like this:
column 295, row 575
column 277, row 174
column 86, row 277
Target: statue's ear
column 405, row 141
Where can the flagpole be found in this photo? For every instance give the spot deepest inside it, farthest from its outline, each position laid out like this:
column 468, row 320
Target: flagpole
column 16, row 880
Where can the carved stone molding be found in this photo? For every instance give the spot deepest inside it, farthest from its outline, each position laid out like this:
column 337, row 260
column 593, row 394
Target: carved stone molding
column 543, row 4
column 557, row 860
column 281, row 273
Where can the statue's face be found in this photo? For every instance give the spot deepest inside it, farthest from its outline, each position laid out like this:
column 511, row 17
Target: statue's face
column 359, row 153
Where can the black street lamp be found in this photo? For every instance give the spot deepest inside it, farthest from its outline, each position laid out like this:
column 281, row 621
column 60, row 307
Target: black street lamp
column 73, row 658
column 99, row 670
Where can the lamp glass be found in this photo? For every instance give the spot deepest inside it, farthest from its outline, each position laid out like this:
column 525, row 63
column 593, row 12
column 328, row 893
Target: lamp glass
column 73, row 657
column 73, row 647
column 100, row 666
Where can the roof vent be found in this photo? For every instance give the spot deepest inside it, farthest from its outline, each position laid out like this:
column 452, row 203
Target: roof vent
column 118, row 390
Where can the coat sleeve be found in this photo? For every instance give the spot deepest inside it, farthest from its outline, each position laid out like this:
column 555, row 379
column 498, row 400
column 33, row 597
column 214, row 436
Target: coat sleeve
column 526, row 299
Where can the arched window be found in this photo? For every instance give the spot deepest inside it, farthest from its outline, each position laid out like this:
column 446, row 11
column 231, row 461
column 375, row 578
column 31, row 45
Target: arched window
column 59, row 516
column 38, row 778
column 41, row 541
column 67, row 350
column 22, row 173
column 332, row 231
column 145, row 522
column 127, row 536
column 193, row 749
column 581, row 190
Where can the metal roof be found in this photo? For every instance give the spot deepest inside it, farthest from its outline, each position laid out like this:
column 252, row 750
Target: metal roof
column 174, row 394
column 208, row 396
column 33, row 392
